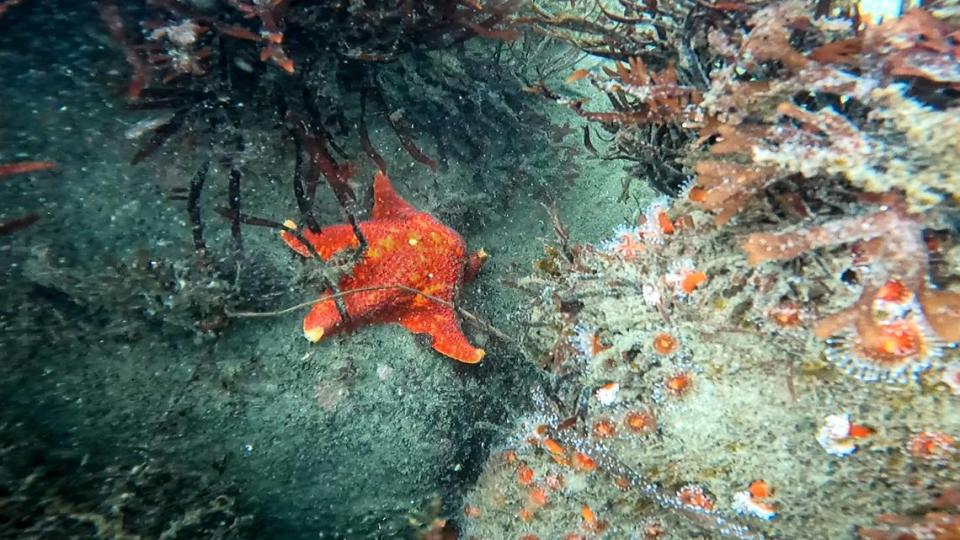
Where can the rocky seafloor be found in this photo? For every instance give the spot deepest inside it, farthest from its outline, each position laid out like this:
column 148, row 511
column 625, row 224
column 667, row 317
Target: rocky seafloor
column 766, row 348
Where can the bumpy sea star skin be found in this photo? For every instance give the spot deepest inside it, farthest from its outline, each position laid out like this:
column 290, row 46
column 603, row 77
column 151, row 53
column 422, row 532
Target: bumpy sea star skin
column 407, row 249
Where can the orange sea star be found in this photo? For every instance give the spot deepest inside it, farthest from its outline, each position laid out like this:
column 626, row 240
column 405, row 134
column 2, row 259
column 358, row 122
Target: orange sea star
column 406, row 248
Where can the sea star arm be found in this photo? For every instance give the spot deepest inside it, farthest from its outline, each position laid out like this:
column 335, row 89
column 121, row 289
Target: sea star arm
column 474, row 263
column 361, row 305
column 329, row 241
column 387, row 203
column 322, row 319
column 441, row 324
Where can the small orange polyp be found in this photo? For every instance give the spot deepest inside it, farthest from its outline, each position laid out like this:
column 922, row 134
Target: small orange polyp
column 759, row 489
column 622, row 483
column 697, row 195
column 589, row 518
column 554, row 481
column 665, row 344
column 524, row 475
column 584, row 462
column 885, row 350
column 894, row 341
column 553, row 446
column 931, row 445
column 692, row 281
column 858, row 431
column 679, row 384
column 641, row 422
column 576, row 76
column 692, row 495
column 596, row 345
column 604, row 429
column 786, row 315
column 663, row 220
column 755, row 501
column 538, row 496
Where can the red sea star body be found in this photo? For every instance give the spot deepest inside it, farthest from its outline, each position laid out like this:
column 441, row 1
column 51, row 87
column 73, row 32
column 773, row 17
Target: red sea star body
column 405, row 247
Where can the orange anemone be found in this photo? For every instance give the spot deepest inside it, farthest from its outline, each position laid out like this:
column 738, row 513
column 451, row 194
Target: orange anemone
column 604, row 429
column 641, row 422
column 679, row 384
column 665, row 344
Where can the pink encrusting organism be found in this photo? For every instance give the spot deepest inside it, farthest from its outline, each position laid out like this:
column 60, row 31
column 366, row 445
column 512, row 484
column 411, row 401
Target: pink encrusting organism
column 627, row 243
column 901, row 321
